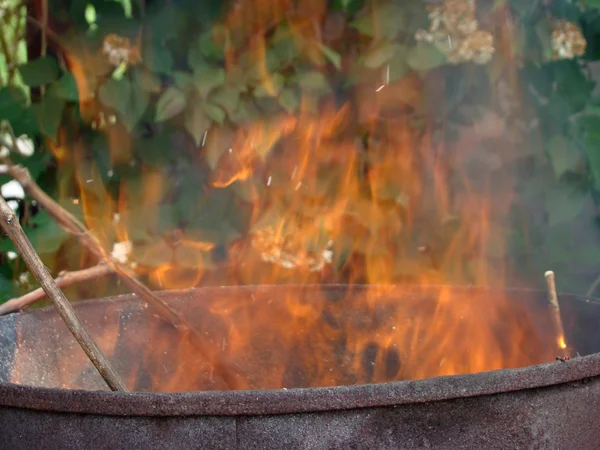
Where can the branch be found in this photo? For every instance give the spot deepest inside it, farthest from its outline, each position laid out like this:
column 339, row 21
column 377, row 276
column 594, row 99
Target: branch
column 12, row 227
column 63, row 280
column 70, row 223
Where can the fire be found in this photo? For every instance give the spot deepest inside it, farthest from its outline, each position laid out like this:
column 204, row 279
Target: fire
column 389, row 206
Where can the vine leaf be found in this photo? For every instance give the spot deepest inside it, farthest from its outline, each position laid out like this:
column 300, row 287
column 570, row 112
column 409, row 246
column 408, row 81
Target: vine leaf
column 289, row 100
column 381, row 55
column 170, row 103
column 215, row 112
column 333, row 56
column 563, row 205
column 196, row 122
column 40, row 71
column 425, row 57
column 116, row 94
column 208, row 79
column 563, row 155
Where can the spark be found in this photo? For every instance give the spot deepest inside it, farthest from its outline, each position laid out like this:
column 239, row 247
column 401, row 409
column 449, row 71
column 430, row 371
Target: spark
column 380, row 88
column 204, row 138
column 298, row 185
column 269, row 181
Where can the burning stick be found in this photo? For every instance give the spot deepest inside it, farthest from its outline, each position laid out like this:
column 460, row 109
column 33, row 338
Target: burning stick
column 63, row 280
column 555, row 309
column 12, row 227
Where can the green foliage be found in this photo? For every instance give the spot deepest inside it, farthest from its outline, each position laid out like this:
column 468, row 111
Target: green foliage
column 177, row 110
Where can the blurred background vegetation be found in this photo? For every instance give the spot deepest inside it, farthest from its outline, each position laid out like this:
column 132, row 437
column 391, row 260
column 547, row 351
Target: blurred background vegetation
column 133, row 108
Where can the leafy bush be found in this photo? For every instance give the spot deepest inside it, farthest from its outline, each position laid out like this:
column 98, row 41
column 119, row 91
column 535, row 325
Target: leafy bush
column 135, row 107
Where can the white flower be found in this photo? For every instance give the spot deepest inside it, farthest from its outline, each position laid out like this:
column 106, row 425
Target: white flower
column 121, row 251
column 12, row 189
column 24, row 146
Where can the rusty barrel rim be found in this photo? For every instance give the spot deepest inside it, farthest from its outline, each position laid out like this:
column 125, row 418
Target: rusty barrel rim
column 286, row 401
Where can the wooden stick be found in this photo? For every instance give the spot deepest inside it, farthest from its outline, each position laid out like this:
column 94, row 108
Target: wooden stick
column 555, row 310
column 63, row 280
column 11, row 225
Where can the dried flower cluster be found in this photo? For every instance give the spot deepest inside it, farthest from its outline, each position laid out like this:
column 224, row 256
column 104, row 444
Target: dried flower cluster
column 283, row 252
column 119, row 50
column 567, row 40
column 454, row 30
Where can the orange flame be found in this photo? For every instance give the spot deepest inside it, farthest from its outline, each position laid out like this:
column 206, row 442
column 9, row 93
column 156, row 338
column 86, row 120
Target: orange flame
column 356, row 193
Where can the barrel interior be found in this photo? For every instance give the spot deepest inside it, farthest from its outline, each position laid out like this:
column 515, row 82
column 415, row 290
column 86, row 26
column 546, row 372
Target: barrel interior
column 329, row 335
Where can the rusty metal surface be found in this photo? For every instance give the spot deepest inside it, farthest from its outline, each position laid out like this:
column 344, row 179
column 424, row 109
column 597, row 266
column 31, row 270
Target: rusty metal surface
column 559, row 417
column 300, row 400
column 552, row 405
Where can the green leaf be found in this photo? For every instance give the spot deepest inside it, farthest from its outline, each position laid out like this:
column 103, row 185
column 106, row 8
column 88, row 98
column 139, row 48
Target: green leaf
column 333, row 56
column 45, row 234
column 48, row 113
column 313, row 81
column 564, row 204
column 8, row 289
column 424, row 56
column 386, row 21
column 270, row 88
column 381, row 55
column 563, row 155
column 591, row 3
column 207, row 80
column 364, row 24
column 157, row 57
column 129, row 100
column 116, row 94
column 208, row 47
column 398, row 67
column 218, row 141
column 215, row 112
column 219, row 218
column 170, row 103
column 289, row 100
column 184, row 81
column 13, row 101
column 246, row 112
column 543, row 31
column 227, row 97
column 40, row 71
column 591, row 139
column 66, row 88
column 138, row 103
column 147, row 81
column 196, row 122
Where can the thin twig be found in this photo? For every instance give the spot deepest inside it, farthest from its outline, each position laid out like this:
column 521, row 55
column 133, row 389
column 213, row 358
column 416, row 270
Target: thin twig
column 12, row 227
column 593, row 287
column 63, row 280
column 44, row 28
column 49, row 33
column 74, row 226
column 555, row 310
column 44, row 43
